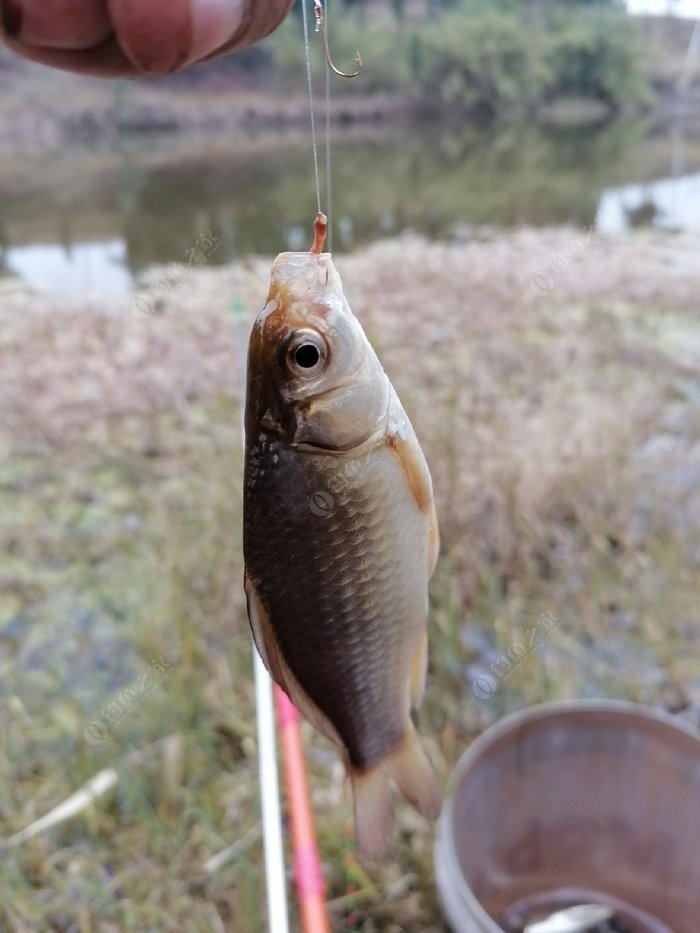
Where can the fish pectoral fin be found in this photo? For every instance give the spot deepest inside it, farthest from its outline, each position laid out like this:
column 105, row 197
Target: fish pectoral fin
column 419, row 670
column 407, row 451
column 433, row 540
column 410, row 769
column 273, row 659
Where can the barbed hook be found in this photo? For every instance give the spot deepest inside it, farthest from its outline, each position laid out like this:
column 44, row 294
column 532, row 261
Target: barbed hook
column 320, row 15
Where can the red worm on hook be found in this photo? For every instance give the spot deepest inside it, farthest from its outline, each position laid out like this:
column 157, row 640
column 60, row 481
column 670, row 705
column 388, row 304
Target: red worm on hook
column 320, row 227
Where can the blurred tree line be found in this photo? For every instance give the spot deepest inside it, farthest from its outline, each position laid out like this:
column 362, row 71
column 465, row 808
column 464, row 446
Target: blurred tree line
column 489, row 57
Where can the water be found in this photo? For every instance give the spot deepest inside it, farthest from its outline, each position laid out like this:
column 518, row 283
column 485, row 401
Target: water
column 72, row 267
column 669, row 203
column 92, row 220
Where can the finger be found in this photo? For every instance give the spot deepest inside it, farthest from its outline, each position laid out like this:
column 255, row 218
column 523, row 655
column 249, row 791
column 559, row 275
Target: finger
column 154, row 37
column 163, row 35
column 11, row 17
column 105, row 61
column 60, row 24
column 262, row 18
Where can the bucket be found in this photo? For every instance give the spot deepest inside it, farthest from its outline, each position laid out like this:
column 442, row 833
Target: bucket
column 574, row 803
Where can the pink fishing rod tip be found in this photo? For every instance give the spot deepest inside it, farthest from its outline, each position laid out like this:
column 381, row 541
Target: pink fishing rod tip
column 308, row 874
column 287, row 712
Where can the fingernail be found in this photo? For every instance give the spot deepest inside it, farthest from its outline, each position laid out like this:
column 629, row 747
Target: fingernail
column 11, row 18
column 214, row 23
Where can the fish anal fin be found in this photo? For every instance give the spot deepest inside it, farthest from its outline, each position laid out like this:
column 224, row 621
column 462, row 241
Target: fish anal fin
column 273, row 659
column 419, row 669
column 410, row 769
column 374, row 812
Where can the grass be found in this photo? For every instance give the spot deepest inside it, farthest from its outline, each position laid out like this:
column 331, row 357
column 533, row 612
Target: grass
column 562, row 434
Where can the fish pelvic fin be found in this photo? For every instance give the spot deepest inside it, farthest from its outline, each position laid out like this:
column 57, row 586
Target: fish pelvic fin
column 374, row 811
column 410, row 769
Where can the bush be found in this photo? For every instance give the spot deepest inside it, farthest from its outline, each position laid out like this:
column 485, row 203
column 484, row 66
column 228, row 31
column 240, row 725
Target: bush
column 596, row 54
column 490, row 57
column 484, row 62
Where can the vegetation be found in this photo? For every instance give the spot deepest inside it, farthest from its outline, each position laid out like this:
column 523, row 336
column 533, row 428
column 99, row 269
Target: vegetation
column 120, row 489
column 490, row 57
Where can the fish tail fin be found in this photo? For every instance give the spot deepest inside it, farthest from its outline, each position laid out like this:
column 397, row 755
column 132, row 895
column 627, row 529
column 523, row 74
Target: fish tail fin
column 410, row 769
column 374, row 812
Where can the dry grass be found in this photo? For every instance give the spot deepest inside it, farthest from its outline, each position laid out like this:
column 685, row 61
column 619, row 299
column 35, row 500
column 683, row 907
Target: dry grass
column 564, row 440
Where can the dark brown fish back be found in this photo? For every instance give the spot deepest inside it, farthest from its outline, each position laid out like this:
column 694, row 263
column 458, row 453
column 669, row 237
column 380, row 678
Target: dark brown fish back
column 336, row 549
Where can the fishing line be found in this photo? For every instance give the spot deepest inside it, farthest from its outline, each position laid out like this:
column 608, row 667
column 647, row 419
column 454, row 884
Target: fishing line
column 313, row 906
column 321, row 11
column 314, row 145
column 329, row 185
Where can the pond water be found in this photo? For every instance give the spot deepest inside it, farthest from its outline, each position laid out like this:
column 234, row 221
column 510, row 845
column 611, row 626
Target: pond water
column 669, row 203
column 93, row 219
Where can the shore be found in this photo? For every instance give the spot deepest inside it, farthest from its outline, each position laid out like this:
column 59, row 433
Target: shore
column 552, row 377
column 43, row 108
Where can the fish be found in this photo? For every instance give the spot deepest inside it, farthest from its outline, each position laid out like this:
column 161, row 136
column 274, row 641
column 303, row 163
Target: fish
column 584, row 918
column 340, row 537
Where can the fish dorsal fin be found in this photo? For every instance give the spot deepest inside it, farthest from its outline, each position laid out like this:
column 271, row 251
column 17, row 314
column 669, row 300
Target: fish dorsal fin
column 266, row 643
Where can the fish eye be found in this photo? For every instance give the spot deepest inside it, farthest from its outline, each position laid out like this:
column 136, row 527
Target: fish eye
column 306, row 354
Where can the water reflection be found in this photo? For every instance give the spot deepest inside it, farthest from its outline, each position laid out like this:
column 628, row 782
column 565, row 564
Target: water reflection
column 66, row 269
column 97, row 219
column 670, row 204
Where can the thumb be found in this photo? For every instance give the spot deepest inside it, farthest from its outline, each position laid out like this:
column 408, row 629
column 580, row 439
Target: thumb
column 261, row 17
column 164, row 35
column 130, row 38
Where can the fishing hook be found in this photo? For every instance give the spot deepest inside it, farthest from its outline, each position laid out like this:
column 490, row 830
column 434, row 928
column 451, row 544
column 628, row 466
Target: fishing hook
column 321, row 27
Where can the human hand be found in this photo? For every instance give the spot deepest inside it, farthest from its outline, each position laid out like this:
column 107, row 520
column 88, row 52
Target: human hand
column 134, row 38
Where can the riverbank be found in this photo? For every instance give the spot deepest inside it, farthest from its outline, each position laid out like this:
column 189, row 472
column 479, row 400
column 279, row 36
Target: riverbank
column 552, row 378
column 42, row 108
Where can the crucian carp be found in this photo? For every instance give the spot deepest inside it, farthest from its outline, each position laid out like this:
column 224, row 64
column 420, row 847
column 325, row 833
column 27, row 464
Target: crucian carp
column 340, row 536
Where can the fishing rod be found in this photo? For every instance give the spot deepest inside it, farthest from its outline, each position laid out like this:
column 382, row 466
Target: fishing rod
column 275, row 882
